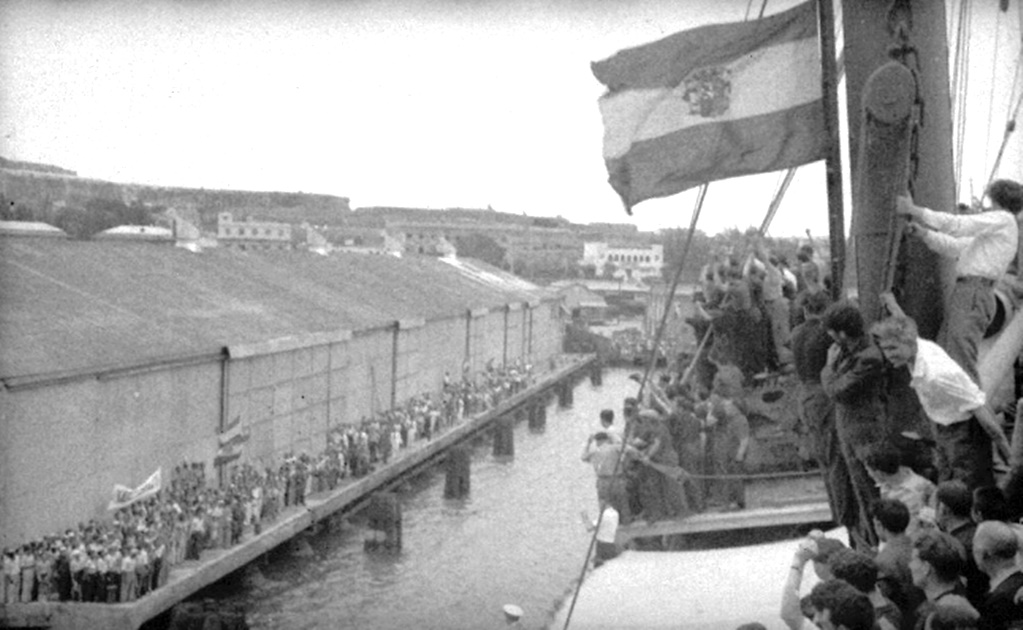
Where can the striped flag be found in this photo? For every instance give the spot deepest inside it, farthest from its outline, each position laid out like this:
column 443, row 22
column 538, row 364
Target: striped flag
column 231, row 442
column 713, row 102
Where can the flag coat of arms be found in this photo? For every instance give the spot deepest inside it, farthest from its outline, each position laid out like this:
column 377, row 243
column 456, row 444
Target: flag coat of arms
column 713, row 102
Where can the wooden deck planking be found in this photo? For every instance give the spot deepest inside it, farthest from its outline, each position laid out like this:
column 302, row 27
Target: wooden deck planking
column 800, row 514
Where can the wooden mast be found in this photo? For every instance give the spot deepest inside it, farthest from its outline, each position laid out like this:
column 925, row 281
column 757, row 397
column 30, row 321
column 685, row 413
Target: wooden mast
column 920, row 274
column 833, row 161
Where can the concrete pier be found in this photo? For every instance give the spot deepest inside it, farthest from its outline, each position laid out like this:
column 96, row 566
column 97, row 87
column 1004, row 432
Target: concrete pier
column 191, row 576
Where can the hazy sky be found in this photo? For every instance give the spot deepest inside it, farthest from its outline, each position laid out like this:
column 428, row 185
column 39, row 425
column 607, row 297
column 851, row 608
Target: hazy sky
column 435, row 103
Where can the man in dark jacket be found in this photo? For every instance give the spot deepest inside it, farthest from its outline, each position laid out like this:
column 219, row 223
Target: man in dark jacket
column 853, row 376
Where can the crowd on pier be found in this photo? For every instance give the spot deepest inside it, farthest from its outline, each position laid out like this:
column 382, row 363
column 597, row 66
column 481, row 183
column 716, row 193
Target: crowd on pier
column 917, row 464
column 130, row 554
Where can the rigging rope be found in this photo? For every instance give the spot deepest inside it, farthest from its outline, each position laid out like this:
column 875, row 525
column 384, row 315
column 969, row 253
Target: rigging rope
column 960, row 86
column 1010, row 126
column 991, row 102
column 1013, row 110
column 779, row 194
column 673, row 471
column 679, row 473
column 642, row 385
column 653, row 353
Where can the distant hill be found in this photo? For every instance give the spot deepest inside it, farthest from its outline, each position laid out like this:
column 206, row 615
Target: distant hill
column 38, row 189
column 33, row 166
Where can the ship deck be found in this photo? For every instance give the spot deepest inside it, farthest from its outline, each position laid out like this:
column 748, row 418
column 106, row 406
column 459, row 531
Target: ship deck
column 784, row 499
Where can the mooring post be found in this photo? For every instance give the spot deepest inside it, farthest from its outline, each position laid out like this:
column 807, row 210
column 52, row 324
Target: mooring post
column 459, row 463
column 504, row 437
column 384, row 519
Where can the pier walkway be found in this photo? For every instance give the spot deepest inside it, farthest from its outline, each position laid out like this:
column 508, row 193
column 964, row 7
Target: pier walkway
column 189, row 577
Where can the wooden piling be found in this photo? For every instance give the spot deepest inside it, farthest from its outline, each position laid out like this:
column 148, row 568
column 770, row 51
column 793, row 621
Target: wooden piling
column 566, row 393
column 538, row 416
column 459, row 464
column 384, row 513
column 504, row 437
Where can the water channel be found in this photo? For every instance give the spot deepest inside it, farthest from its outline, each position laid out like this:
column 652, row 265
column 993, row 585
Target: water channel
column 518, row 538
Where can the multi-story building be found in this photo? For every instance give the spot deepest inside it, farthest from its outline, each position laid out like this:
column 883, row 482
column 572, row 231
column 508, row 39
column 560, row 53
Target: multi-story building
column 624, row 262
column 541, row 251
column 250, row 234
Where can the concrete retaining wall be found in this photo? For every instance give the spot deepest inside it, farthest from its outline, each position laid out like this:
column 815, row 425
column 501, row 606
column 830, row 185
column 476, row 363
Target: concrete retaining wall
column 63, row 447
column 65, row 441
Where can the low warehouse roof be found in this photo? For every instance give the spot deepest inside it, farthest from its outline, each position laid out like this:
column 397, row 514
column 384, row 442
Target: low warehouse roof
column 73, row 305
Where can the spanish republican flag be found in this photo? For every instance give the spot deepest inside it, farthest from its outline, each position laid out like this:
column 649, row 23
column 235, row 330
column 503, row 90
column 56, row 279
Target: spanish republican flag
column 713, row 102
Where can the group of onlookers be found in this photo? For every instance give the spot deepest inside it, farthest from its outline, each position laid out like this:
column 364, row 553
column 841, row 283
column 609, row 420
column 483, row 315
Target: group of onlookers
column 750, row 301
column 957, row 565
column 909, row 443
column 871, row 387
column 907, row 440
column 121, row 559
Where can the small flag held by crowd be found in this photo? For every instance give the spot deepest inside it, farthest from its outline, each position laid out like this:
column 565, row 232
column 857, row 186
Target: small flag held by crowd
column 231, row 442
column 125, row 496
column 713, row 102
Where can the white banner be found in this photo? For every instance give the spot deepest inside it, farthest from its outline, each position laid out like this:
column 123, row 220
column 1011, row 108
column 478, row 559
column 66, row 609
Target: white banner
column 125, row 496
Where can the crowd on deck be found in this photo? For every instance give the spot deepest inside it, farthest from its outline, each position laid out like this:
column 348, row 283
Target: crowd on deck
column 907, row 441
column 751, row 301
column 127, row 556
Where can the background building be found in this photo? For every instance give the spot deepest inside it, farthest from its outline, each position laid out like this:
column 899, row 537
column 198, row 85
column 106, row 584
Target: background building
column 251, row 234
column 631, row 262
